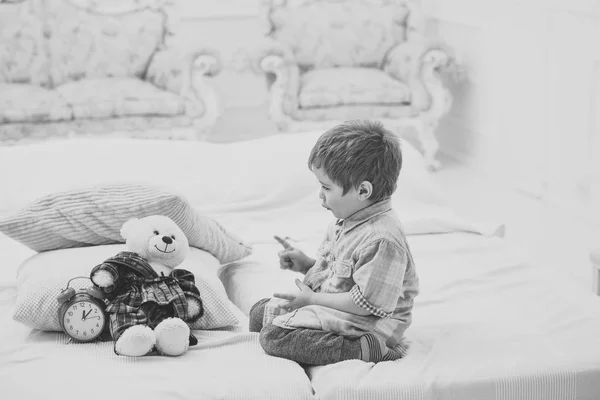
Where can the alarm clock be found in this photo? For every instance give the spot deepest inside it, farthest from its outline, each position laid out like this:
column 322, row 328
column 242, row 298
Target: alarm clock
column 81, row 313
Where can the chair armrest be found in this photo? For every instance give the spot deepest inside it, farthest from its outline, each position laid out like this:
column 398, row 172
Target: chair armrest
column 182, row 71
column 595, row 258
column 282, row 74
column 417, row 63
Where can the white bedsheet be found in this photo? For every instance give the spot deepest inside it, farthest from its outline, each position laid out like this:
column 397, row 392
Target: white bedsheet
column 224, row 365
column 487, row 325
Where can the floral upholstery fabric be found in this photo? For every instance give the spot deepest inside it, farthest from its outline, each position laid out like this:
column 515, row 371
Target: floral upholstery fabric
column 23, row 102
column 117, row 97
column 330, row 87
column 84, row 44
column 82, row 66
column 335, row 33
column 23, row 58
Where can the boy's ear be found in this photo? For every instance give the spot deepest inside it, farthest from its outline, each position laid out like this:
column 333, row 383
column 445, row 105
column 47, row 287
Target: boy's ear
column 365, row 190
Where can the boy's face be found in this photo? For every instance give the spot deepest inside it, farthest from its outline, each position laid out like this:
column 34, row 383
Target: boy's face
column 342, row 206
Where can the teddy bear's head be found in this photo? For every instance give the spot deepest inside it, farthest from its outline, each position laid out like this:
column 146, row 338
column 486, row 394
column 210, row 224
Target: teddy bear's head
column 157, row 239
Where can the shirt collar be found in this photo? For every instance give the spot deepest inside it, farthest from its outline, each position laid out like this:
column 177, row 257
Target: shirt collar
column 365, row 214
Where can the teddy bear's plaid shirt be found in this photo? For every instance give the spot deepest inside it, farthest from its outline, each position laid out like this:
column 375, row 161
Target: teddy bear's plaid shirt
column 140, row 296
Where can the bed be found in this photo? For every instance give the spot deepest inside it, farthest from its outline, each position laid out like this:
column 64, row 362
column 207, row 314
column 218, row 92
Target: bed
column 488, row 323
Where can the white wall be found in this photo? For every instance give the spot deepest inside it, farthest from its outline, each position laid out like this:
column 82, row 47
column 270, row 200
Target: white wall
column 529, row 114
column 232, row 27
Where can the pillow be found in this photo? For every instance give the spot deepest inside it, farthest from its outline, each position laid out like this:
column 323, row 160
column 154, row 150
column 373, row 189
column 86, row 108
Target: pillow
column 94, row 216
column 44, row 275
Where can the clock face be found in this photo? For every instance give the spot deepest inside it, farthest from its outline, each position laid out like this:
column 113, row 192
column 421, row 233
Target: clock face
column 83, row 320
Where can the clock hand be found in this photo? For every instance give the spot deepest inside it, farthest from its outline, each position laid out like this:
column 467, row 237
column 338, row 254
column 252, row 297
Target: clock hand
column 83, row 315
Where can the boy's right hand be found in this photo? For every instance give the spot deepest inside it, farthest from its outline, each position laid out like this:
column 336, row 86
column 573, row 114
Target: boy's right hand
column 293, row 259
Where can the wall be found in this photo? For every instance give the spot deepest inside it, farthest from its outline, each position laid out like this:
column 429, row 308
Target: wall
column 234, row 28
column 528, row 116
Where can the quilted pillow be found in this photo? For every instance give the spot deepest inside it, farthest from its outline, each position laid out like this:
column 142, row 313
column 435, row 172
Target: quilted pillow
column 94, row 216
column 44, row 275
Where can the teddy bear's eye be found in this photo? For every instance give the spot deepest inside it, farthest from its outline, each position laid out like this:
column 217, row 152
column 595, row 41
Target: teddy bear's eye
column 156, row 232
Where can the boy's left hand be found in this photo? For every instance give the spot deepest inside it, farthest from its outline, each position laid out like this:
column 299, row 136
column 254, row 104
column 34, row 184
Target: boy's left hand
column 297, row 300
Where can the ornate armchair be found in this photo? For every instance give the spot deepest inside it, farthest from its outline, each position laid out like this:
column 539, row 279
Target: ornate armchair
column 111, row 67
column 332, row 60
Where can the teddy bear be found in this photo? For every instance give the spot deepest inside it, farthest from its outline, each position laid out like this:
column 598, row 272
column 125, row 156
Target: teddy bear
column 149, row 302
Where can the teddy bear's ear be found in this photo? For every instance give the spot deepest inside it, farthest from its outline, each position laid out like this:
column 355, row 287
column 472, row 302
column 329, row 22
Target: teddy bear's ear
column 127, row 227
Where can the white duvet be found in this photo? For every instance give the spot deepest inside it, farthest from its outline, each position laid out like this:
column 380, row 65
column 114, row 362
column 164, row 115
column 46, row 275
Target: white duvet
column 487, row 324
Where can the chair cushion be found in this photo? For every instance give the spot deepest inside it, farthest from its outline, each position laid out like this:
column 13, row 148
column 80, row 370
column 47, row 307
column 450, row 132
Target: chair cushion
column 23, row 53
column 30, row 103
column 119, row 97
column 330, row 87
column 349, row 33
column 97, row 39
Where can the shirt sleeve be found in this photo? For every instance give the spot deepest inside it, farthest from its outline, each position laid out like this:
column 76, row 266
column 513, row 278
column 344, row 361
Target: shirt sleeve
column 379, row 274
column 113, row 271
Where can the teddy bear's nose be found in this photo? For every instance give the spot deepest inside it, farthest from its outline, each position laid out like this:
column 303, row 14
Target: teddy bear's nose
column 167, row 239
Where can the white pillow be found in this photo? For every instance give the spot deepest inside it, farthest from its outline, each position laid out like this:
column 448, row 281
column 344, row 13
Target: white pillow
column 256, row 174
column 43, row 276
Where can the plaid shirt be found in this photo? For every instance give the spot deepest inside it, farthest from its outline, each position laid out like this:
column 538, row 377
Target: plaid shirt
column 139, row 296
column 367, row 255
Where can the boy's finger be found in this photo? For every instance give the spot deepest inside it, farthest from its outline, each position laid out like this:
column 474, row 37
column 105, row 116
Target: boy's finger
column 286, row 245
column 285, row 265
column 285, row 296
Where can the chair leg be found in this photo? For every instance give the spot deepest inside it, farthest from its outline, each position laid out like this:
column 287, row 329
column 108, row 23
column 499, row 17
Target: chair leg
column 596, row 279
column 430, row 144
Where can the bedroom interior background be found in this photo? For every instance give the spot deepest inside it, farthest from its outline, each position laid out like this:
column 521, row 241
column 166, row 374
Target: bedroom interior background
column 516, row 106
column 529, row 91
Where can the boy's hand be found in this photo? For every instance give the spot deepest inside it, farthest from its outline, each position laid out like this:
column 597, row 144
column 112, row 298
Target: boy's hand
column 293, row 259
column 298, row 299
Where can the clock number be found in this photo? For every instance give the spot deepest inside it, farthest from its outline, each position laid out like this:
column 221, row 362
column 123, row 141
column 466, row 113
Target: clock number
column 82, row 304
column 68, row 320
column 74, row 307
column 84, row 333
column 70, row 313
column 92, row 330
column 71, row 327
column 98, row 325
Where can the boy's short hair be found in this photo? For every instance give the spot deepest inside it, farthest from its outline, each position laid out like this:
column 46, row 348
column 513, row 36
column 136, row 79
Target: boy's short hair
column 358, row 151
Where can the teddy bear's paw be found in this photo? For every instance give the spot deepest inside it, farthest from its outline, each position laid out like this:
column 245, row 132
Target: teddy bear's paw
column 136, row 341
column 102, row 278
column 195, row 309
column 172, row 337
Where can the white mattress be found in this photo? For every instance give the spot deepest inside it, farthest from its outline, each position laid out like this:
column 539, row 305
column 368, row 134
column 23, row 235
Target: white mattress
column 487, row 324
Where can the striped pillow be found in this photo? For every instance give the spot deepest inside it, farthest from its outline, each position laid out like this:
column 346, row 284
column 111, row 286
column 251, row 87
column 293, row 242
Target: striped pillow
column 94, row 216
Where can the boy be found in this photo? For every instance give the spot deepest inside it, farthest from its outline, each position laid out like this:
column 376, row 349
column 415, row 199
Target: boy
column 356, row 298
